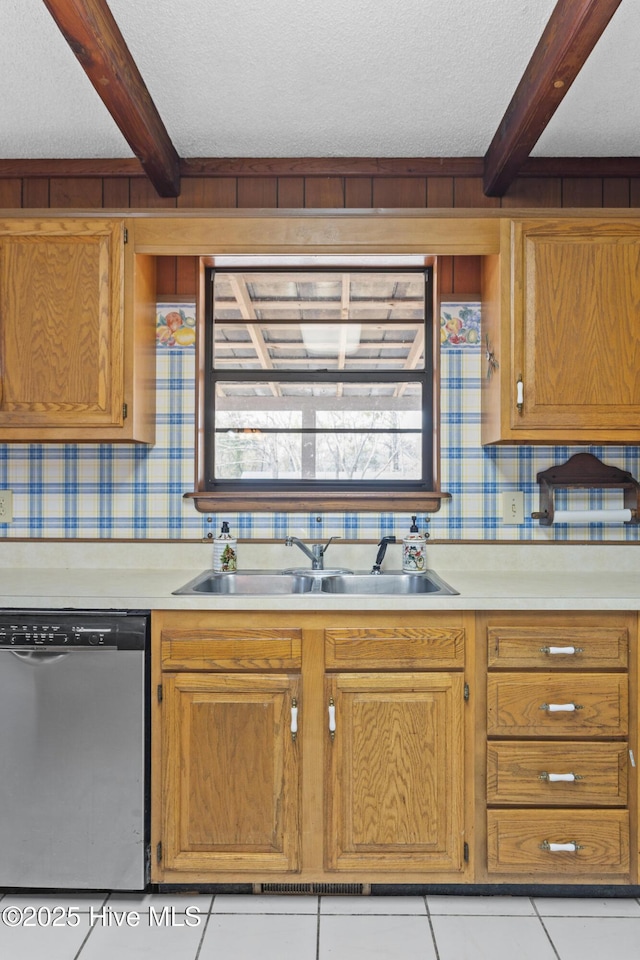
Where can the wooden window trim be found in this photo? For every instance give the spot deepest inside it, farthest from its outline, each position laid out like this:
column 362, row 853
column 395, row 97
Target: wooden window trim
column 312, row 500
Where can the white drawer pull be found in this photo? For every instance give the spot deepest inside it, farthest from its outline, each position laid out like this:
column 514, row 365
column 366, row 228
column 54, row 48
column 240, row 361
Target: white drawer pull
column 571, row 847
column 563, row 651
column 557, row 777
column 294, row 719
column 561, row 707
column 332, row 718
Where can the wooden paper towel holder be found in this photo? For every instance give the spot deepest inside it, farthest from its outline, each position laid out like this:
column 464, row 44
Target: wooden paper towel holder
column 585, row 470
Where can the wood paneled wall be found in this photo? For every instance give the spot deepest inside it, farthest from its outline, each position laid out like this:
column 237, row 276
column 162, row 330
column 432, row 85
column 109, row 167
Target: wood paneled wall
column 459, row 276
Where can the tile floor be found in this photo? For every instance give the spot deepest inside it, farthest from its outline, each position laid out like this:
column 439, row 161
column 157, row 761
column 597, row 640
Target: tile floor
column 206, row 927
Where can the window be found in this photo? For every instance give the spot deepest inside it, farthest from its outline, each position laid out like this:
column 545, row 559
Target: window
column 318, row 389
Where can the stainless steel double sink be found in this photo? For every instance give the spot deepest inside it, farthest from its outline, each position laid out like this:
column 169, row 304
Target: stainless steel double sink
column 289, row 582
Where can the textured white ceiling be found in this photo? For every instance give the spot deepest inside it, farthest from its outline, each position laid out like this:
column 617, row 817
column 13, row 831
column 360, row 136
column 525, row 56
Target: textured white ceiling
column 269, row 78
column 600, row 115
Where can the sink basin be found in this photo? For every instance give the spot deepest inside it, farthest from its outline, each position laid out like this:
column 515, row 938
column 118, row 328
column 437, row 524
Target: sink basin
column 247, row 583
column 388, row 583
column 255, row 583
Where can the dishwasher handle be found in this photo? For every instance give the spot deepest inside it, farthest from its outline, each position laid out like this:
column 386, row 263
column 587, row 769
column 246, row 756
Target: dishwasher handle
column 40, row 657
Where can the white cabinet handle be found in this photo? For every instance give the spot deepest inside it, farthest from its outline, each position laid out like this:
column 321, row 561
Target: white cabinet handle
column 561, row 707
column 332, row 718
column 557, row 777
column 571, row 847
column 294, row 719
column 565, row 651
column 519, row 394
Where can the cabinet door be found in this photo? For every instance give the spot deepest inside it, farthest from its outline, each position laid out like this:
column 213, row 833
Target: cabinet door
column 61, row 325
column 576, row 302
column 394, row 795
column 230, row 774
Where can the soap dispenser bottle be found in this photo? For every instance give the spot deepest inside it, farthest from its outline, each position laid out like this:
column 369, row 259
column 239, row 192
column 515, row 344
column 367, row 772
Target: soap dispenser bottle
column 225, row 551
column 414, row 550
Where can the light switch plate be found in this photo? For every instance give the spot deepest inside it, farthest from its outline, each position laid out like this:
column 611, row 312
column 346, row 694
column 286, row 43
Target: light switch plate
column 6, row 506
column 513, row 507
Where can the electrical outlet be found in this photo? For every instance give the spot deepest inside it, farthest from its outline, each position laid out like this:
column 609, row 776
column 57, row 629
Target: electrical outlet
column 513, row 507
column 6, row 506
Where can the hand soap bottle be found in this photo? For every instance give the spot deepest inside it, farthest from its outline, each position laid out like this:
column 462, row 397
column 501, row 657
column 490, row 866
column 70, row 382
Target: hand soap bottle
column 414, row 550
column 225, row 551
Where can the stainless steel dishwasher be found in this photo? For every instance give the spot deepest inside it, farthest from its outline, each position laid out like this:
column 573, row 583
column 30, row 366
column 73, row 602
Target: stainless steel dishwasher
column 73, row 756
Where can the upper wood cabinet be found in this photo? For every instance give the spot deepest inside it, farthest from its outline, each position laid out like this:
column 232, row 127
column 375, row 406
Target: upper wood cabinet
column 76, row 333
column 561, row 312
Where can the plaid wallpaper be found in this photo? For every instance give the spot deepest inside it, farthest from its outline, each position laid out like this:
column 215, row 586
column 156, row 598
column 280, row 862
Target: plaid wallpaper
column 125, row 491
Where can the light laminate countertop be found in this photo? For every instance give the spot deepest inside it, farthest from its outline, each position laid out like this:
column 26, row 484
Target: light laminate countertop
column 149, row 588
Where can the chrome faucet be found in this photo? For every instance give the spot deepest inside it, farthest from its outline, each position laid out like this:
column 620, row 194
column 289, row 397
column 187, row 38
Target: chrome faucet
column 315, row 554
column 384, row 543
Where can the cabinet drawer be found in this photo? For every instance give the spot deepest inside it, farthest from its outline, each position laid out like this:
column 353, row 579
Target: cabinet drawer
column 558, row 648
column 231, row 649
column 521, row 705
column 394, row 647
column 524, row 773
column 519, row 841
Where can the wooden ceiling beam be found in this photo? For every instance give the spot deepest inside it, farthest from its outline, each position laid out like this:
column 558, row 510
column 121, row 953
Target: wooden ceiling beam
column 340, row 167
column 574, row 28
column 94, row 36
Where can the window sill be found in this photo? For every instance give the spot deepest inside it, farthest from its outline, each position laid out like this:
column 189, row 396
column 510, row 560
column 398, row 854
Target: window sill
column 288, row 501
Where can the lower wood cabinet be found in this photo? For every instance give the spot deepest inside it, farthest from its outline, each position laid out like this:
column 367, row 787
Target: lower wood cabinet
column 231, row 773
column 565, row 846
column 561, row 743
column 378, row 747
column 557, row 773
column 395, row 773
column 557, row 705
column 309, row 748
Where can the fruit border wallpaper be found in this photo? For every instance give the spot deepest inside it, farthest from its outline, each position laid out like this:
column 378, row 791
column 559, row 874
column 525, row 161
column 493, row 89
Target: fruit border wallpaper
column 459, row 325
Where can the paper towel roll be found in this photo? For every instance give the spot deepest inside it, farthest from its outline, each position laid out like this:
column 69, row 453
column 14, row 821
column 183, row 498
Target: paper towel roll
column 591, row 516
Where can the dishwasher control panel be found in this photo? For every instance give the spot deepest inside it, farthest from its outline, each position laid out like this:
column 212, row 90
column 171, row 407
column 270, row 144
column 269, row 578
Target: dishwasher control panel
column 121, row 631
